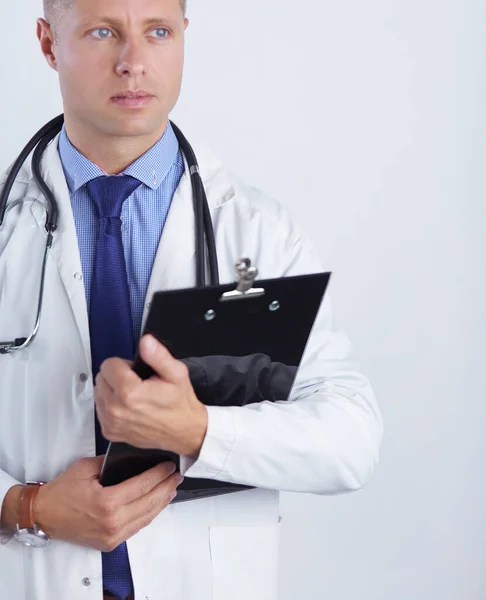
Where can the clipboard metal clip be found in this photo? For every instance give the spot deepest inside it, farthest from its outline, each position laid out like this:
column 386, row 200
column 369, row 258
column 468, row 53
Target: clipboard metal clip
column 246, row 278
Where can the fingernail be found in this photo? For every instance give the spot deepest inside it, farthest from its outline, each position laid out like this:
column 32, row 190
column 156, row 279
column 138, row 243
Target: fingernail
column 150, row 344
column 172, row 468
column 179, row 479
column 172, row 496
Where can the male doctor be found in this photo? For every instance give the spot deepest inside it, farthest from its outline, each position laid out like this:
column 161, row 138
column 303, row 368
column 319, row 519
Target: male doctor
column 120, row 66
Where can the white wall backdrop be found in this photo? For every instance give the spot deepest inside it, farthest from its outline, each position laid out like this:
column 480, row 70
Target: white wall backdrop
column 368, row 120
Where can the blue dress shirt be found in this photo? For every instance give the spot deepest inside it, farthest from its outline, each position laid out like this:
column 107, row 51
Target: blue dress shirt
column 143, row 215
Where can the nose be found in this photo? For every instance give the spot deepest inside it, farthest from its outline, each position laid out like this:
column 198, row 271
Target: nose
column 131, row 61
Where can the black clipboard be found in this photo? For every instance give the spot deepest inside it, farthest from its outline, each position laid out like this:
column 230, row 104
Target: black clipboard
column 241, row 346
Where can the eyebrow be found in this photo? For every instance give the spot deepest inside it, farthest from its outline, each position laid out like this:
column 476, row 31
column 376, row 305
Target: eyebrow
column 117, row 23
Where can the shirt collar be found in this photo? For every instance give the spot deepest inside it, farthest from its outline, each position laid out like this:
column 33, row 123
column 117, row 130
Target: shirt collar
column 151, row 168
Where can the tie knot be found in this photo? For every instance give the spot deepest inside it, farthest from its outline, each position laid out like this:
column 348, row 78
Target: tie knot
column 110, row 192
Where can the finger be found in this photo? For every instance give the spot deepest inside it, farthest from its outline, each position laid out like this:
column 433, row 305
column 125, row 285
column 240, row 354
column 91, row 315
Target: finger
column 103, row 395
column 100, row 376
column 157, row 356
column 99, row 379
column 140, row 513
column 141, row 485
column 119, row 375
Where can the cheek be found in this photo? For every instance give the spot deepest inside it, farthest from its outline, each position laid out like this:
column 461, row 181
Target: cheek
column 78, row 75
column 168, row 69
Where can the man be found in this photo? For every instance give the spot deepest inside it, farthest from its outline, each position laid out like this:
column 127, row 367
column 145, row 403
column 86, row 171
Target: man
column 120, row 67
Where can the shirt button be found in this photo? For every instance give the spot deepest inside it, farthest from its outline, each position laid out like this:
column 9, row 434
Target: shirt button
column 78, row 276
column 86, row 582
column 83, row 378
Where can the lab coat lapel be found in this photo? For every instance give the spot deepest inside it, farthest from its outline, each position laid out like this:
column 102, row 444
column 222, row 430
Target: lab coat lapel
column 175, row 265
column 65, row 249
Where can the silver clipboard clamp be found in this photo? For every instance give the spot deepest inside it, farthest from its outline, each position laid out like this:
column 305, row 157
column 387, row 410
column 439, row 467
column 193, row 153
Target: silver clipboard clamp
column 246, row 278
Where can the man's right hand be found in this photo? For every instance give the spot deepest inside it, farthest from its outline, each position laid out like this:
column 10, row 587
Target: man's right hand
column 76, row 508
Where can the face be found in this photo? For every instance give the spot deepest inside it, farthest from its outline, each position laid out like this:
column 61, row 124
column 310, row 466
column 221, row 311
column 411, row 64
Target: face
column 120, row 63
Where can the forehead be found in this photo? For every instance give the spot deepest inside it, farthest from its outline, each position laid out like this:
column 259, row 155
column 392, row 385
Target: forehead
column 125, row 10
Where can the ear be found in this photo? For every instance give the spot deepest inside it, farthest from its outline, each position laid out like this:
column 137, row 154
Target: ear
column 45, row 35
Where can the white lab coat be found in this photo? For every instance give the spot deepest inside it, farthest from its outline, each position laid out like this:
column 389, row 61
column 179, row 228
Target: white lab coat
column 325, row 441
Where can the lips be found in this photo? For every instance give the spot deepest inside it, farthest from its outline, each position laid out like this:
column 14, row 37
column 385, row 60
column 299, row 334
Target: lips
column 133, row 95
column 132, row 99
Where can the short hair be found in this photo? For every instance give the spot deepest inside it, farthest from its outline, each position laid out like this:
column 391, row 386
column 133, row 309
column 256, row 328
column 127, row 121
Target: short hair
column 54, row 8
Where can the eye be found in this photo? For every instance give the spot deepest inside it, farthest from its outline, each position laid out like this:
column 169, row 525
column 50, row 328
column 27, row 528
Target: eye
column 159, row 34
column 103, row 33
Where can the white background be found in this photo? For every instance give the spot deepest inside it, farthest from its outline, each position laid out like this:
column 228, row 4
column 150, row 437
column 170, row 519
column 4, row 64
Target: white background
column 368, row 120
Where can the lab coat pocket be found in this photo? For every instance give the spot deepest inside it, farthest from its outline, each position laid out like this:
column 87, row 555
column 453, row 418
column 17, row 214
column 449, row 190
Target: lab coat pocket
column 245, row 561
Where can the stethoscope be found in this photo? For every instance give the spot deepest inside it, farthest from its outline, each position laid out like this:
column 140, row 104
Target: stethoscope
column 204, row 227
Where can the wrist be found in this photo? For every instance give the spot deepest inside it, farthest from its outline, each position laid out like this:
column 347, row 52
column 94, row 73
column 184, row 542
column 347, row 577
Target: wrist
column 28, row 531
column 10, row 508
column 200, row 432
column 38, row 512
column 197, row 432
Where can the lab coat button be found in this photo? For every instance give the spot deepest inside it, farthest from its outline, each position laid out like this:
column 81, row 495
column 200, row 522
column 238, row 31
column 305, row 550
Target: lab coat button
column 83, row 378
column 86, row 582
column 78, row 276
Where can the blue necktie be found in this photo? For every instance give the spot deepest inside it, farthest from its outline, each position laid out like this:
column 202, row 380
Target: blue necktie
column 110, row 322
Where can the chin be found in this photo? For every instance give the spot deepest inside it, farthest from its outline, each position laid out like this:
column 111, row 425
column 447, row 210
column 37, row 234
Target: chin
column 133, row 126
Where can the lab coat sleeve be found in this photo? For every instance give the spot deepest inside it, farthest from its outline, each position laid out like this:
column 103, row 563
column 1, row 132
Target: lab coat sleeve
column 324, row 440
column 6, row 482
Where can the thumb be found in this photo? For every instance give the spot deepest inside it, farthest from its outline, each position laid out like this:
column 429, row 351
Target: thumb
column 89, row 467
column 156, row 355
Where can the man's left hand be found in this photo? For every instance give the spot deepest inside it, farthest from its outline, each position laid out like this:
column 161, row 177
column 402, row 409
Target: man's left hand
column 160, row 412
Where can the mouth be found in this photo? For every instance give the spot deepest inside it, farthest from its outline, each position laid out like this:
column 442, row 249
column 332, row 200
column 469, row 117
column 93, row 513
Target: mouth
column 137, row 99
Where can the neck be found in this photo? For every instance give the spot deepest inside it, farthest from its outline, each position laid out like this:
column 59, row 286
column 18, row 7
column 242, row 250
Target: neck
column 111, row 153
